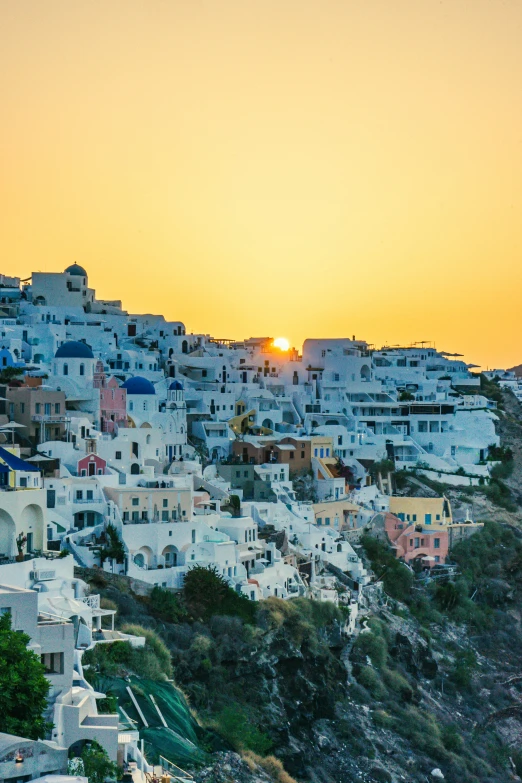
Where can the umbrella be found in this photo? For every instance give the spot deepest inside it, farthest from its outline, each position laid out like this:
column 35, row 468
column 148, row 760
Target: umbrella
column 11, row 425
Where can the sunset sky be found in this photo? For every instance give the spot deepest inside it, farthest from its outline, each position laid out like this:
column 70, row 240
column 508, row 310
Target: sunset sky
column 273, row 167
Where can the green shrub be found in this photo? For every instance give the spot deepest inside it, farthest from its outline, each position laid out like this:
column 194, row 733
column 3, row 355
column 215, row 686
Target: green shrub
column 374, row 647
column 166, row 605
column 206, row 593
column 398, row 684
column 369, row 679
column 451, row 738
column 236, row 726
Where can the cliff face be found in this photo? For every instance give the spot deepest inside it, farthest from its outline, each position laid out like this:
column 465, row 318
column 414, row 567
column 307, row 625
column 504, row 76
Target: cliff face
column 416, row 690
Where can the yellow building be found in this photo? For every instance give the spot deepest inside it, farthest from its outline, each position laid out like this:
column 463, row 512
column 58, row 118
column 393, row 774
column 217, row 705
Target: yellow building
column 424, row 511
column 339, row 514
column 322, row 446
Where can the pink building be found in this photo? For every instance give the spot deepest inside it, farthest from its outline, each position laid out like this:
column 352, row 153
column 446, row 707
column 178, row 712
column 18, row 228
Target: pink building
column 113, row 401
column 413, row 541
column 91, row 465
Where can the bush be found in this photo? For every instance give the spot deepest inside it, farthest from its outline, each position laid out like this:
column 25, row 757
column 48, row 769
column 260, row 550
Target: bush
column 236, row 726
column 271, row 765
column 166, row 605
column 206, row 593
column 154, row 644
column 372, row 646
column 465, row 665
column 451, row 738
column 369, row 679
column 97, row 765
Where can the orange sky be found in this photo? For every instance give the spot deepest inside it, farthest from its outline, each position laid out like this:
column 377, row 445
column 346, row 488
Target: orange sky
column 284, row 167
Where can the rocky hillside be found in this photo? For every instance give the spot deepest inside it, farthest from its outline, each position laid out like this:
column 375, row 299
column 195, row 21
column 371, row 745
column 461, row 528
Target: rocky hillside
column 428, row 687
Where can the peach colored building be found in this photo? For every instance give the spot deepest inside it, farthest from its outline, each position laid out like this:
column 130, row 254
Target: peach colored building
column 414, row 541
column 113, row 400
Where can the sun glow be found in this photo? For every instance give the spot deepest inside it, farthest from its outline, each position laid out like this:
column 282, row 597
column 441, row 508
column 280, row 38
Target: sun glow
column 281, row 343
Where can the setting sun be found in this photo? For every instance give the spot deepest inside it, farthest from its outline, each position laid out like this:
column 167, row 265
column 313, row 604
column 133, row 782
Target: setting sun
column 281, row 343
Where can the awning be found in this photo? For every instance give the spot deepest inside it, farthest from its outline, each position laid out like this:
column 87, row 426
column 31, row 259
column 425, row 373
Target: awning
column 15, row 463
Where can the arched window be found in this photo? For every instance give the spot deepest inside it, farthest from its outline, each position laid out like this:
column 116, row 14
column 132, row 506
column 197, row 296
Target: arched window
column 82, row 369
column 66, row 369
column 131, row 406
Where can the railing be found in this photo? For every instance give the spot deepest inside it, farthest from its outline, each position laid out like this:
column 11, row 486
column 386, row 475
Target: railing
column 46, row 618
column 92, row 601
column 88, row 500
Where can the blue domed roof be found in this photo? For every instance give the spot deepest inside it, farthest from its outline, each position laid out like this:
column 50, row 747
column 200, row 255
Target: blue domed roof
column 138, row 385
column 74, row 350
column 76, row 269
column 176, row 386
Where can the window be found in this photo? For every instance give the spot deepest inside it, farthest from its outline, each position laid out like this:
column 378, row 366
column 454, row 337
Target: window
column 417, row 543
column 165, row 516
column 437, row 559
column 238, row 474
column 339, row 440
column 117, row 455
column 423, row 426
column 319, row 521
column 245, row 473
column 82, row 369
column 66, row 369
column 57, row 407
column 135, row 516
column 47, row 408
column 302, row 455
column 327, row 520
column 291, row 455
column 22, row 407
column 135, row 501
column 165, row 502
column 414, row 517
column 193, row 536
column 436, row 543
column 37, row 407
column 90, row 494
column 79, row 494
column 125, row 516
column 53, row 662
column 315, row 452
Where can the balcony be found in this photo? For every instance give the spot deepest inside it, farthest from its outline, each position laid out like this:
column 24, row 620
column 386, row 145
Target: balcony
column 48, row 418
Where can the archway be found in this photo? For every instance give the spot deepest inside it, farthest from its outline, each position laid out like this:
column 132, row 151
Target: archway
column 143, row 557
column 135, row 469
column 268, row 424
column 365, row 372
column 170, row 555
column 7, row 534
column 184, row 347
column 32, row 525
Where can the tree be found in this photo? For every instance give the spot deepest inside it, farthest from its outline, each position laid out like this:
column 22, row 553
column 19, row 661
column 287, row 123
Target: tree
column 97, row 764
column 9, row 374
column 207, row 593
column 23, row 686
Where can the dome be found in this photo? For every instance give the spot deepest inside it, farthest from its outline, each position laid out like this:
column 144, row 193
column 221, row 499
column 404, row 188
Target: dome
column 74, row 350
column 138, row 385
column 176, row 386
column 76, row 269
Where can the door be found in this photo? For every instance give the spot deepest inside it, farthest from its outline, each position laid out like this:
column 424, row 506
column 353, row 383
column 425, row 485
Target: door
column 29, row 542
